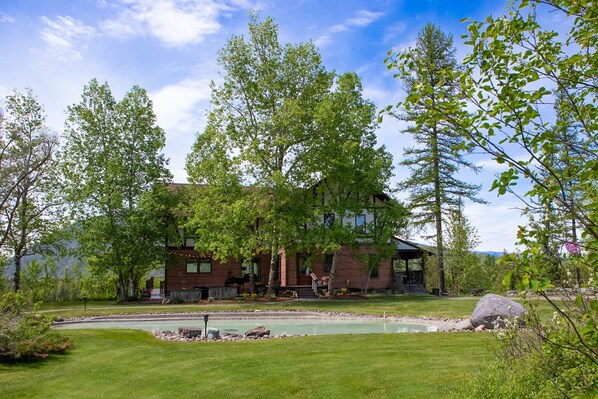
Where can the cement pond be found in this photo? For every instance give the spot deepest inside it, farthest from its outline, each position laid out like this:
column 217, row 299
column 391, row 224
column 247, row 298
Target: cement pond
column 279, row 323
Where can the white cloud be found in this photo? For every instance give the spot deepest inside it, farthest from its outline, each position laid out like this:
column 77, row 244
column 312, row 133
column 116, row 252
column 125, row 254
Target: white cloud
column 338, row 28
column 5, row 18
column 64, row 35
column 175, row 23
column 180, row 110
column 363, row 18
column 178, row 106
column 322, row 41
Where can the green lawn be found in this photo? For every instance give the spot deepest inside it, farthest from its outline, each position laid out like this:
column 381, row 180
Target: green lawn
column 397, row 306
column 132, row 364
column 125, row 363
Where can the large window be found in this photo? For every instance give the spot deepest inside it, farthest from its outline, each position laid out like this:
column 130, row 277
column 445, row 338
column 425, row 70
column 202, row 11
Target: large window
column 246, row 267
column 199, row 266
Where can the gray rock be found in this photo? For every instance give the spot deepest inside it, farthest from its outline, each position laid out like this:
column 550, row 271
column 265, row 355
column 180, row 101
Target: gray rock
column 464, row 325
column 257, row 332
column 190, row 332
column 213, row 333
column 493, row 309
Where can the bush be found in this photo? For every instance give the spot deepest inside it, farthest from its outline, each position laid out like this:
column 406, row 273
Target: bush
column 25, row 334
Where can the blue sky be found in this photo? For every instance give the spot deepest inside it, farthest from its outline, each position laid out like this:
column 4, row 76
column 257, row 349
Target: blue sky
column 170, row 47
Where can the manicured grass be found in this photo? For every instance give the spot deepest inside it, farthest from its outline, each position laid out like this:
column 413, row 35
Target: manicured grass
column 397, row 306
column 125, row 363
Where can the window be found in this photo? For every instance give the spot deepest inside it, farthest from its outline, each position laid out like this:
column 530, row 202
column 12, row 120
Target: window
column 246, row 267
column 328, row 220
column 328, row 263
column 360, row 222
column 192, row 267
column 199, row 266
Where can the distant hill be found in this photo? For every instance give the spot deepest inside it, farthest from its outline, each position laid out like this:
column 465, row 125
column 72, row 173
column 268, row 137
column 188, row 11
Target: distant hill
column 490, row 253
column 63, row 262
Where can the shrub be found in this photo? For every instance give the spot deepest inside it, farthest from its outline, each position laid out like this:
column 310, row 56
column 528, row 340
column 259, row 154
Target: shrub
column 26, row 334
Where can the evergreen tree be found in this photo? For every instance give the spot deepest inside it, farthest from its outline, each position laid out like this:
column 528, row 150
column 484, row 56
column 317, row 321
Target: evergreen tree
column 429, row 73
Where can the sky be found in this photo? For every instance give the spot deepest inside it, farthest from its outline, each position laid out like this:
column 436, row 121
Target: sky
column 170, row 48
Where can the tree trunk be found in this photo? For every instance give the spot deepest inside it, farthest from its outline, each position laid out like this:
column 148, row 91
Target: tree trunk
column 249, row 267
column 273, row 271
column 17, row 275
column 366, row 282
column 438, row 211
column 122, row 286
column 332, row 273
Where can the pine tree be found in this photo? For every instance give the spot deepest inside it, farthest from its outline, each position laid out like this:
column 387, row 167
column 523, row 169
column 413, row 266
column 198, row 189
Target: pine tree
column 429, row 73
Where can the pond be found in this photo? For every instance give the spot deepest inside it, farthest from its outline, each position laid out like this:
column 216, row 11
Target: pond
column 278, row 324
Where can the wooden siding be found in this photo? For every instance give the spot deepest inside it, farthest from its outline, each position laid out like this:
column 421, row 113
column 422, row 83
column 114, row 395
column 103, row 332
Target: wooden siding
column 177, row 278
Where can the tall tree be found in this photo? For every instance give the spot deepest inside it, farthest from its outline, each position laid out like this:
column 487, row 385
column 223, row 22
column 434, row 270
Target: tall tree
column 429, row 73
column 274, row 133
column 115, row 175
column 30, row 206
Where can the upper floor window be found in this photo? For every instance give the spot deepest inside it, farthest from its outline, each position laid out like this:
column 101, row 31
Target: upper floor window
column 360, row 222
column 328, row 220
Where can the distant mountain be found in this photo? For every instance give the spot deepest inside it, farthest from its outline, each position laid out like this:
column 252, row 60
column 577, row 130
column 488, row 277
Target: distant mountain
column 63, row 262
column 490, row 253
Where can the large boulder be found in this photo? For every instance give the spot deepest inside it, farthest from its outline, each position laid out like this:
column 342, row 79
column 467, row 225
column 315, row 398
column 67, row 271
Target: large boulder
column 492, row 310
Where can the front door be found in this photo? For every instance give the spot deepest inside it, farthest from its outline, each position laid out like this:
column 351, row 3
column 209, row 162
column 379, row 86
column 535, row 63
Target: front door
column 303, row 270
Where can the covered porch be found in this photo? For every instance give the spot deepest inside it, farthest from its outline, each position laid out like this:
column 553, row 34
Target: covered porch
column 409, row 268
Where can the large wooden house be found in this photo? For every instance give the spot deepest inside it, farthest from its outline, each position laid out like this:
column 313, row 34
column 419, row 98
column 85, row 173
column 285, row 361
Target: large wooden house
column 187, row 270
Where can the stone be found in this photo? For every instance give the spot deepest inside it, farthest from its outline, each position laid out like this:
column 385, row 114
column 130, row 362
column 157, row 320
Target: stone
column 257, row 332
column 480, row 328
column 190, row 332
column 494, row 309
column 464, row 325
column 213, row 333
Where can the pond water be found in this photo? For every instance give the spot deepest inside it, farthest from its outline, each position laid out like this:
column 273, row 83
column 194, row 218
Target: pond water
column 276, row 326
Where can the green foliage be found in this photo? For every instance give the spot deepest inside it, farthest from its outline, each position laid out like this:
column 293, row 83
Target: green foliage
column 517, row 66
column 462, row 264
column 114, row 181
column 25, row 334
column 42, row 282
column 29, row 208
